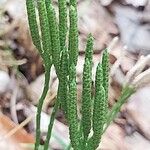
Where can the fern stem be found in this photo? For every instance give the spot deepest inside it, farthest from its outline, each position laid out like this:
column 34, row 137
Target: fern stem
column 39, row 109
column 50, row 126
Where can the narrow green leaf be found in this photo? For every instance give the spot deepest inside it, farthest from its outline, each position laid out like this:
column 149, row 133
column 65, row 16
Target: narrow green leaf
column 89, row 49
column 44, row 31
column 54, row 36
column 63, row 81
column 72, row 72
column 105, row 66
column 48, row 2
column 72, row 115
column 73, row 36
column 62, row 22
column 86, row 93
column 86, row 98
column 99, row 111
column 98, row 78
column 73, row 3
column 33, row 25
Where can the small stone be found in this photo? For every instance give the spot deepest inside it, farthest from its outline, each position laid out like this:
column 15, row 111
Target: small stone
column 4, row 81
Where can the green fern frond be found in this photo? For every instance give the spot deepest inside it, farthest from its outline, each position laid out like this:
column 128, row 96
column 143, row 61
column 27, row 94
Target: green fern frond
column 62, row 22
column 98, row 78
column 48, row 2
column 73, row 36
column 33, row 25
column 72, row 113
column 73, row 3
column 72, row 72
column 86, row 91
column 45, row 35
column 63, row 81
column 54, row 33
column 89, row 49
column 86, row 99
column 105, row 66
column 99, row 110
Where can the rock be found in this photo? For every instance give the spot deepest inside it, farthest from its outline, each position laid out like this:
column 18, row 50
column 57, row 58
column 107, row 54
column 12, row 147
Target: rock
column 137, row 3
column 4, row 81
column 15, row 8
column 132, row 30
column 138, row 110
column 94, row 22
column 113, row 138
column 105, row 2
column 137, row 142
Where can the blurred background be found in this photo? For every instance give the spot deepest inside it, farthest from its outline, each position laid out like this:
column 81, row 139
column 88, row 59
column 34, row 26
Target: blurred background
column 121, row 25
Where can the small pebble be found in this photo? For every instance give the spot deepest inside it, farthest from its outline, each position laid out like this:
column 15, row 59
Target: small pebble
column 4, row 81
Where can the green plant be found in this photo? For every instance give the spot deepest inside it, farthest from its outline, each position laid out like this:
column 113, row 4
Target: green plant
column 60, row 50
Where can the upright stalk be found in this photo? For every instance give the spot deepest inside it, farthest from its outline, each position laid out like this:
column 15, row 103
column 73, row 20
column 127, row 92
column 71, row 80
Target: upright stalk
column 39, row 109
column 50, row 126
